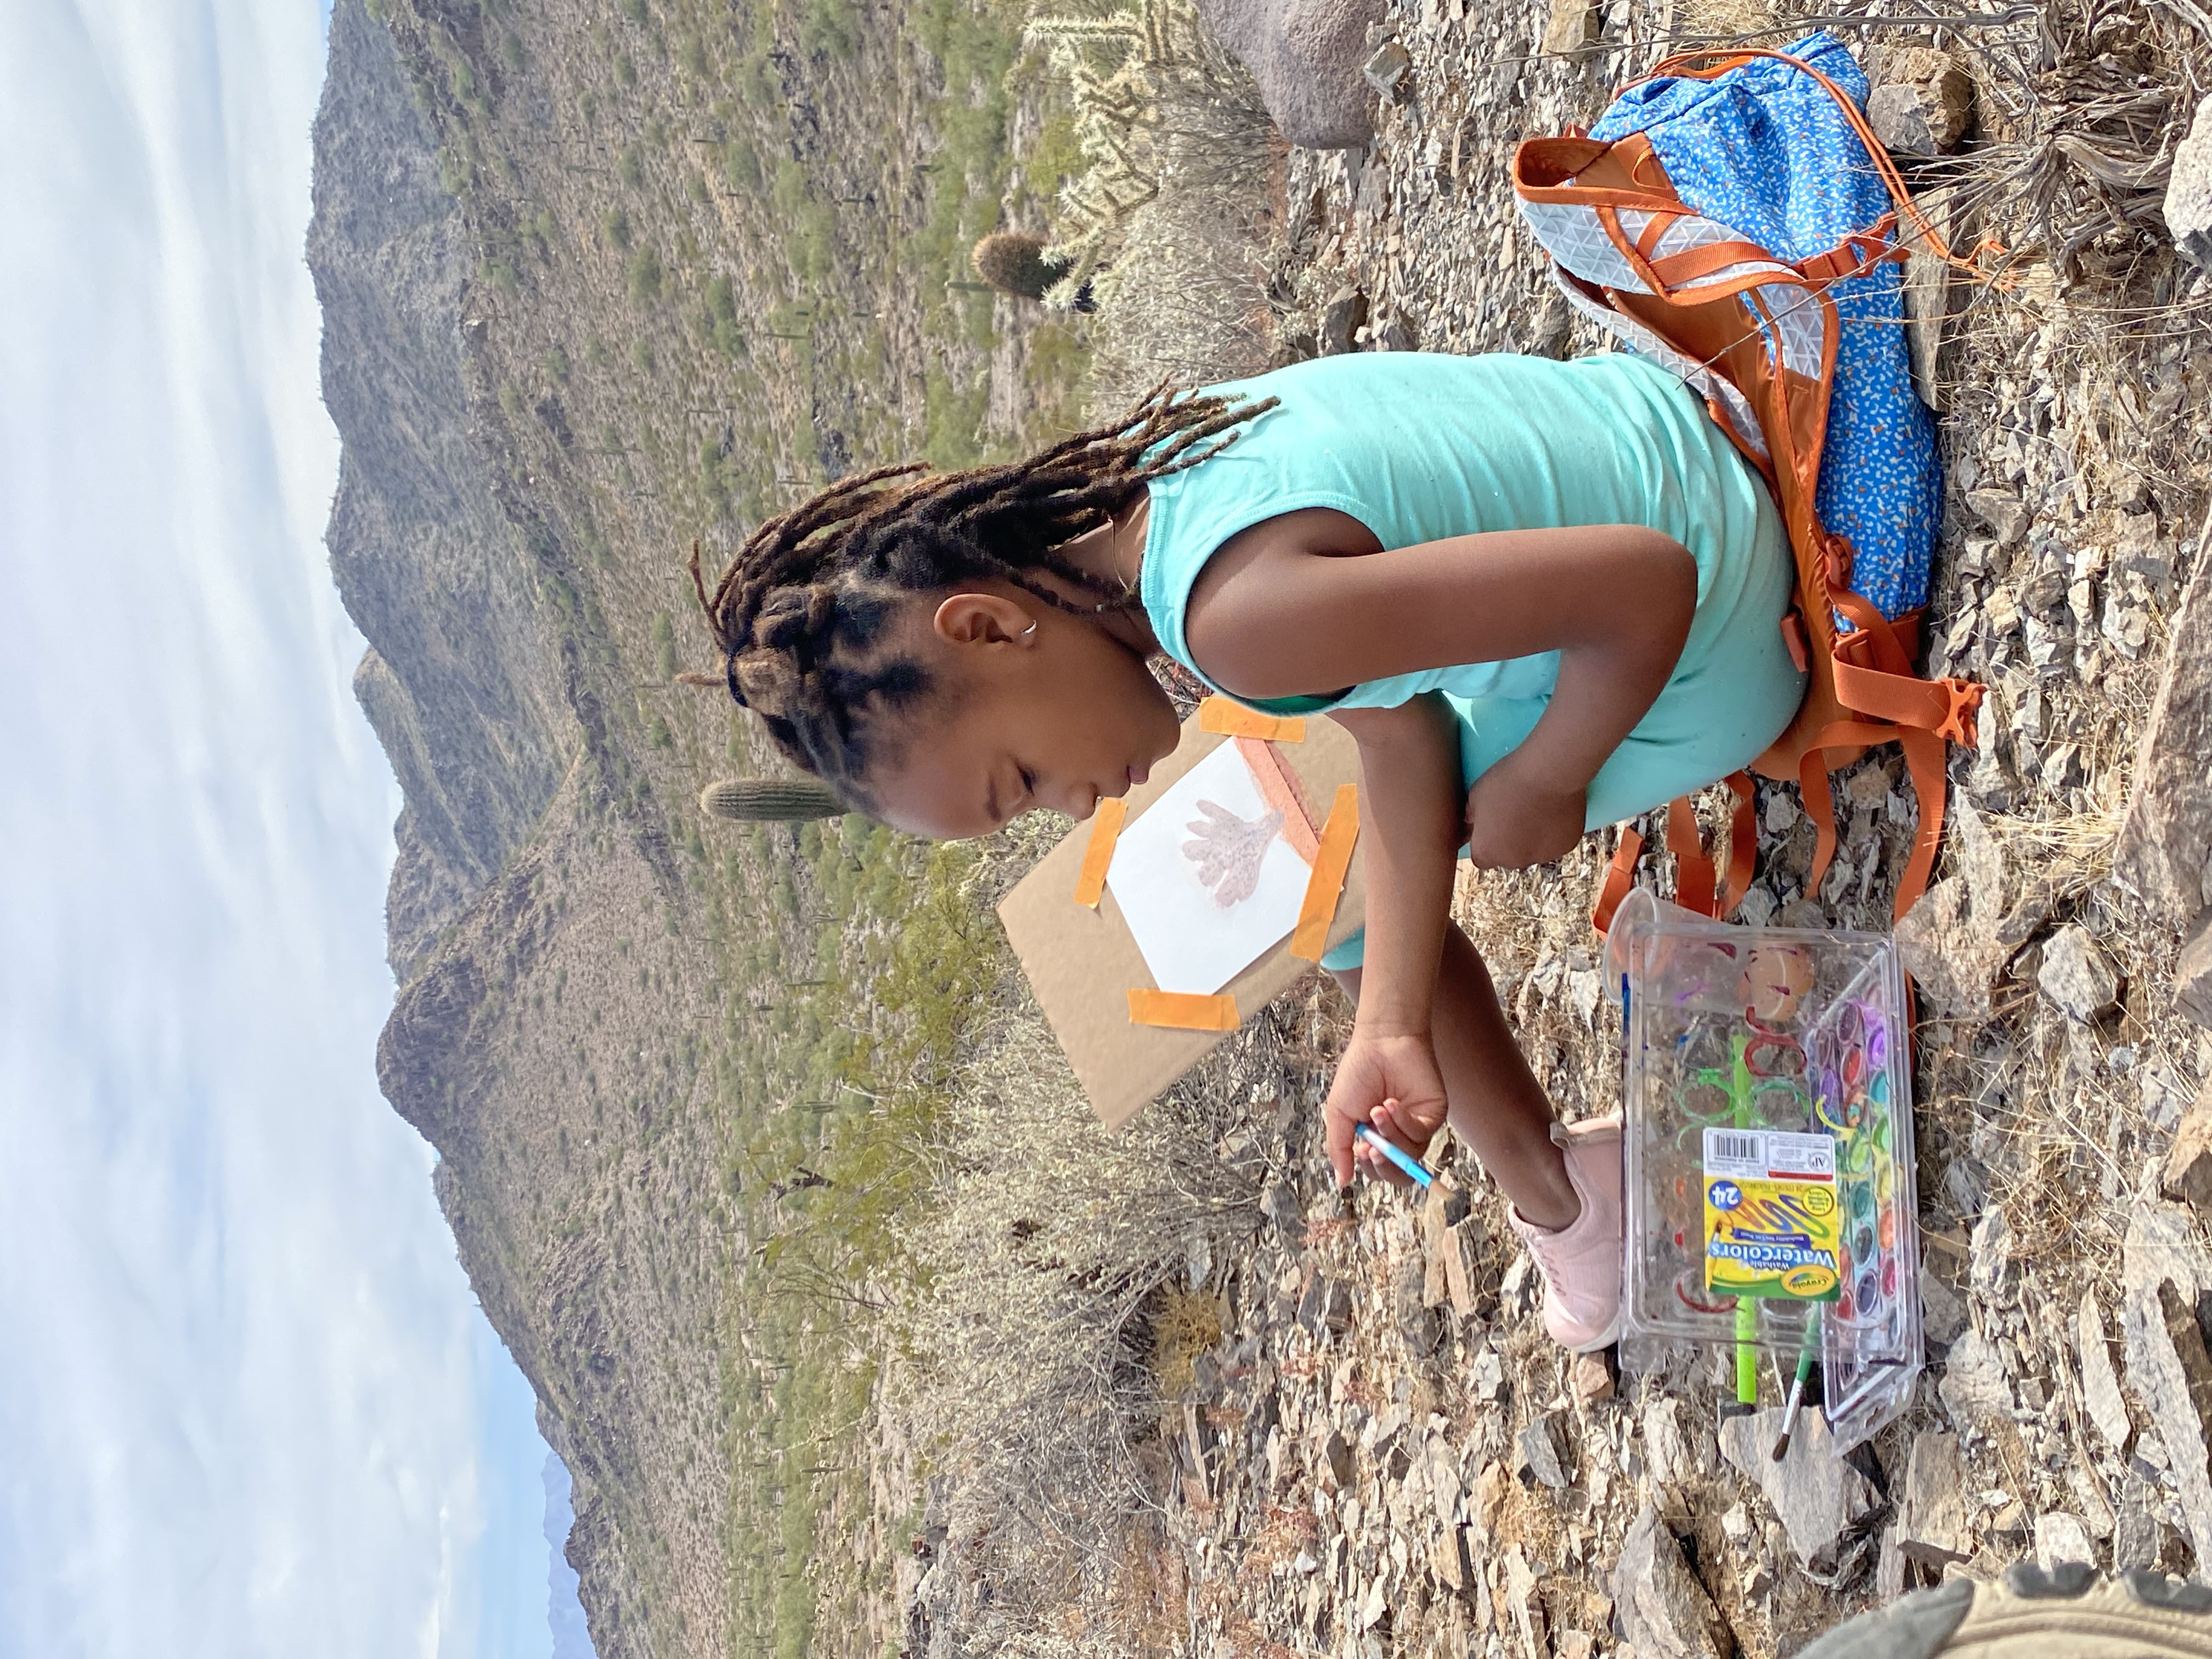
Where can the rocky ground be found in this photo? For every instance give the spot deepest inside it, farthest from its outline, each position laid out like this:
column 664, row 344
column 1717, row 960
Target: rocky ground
column 1382, row 1455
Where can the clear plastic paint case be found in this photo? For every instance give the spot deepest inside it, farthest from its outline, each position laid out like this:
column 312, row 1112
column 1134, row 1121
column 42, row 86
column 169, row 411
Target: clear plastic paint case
column 1768, row 1144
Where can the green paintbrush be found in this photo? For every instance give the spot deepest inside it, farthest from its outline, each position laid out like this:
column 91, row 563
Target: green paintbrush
column 1797, row 1384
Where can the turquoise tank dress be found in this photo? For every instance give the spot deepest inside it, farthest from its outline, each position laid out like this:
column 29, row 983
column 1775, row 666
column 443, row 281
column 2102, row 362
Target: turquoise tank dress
column 1420, row 446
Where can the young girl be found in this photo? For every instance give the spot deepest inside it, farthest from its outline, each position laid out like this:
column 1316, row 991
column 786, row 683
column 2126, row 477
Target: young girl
column 1542, row 597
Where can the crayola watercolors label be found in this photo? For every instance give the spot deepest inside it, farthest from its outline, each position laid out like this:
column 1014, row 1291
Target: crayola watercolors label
column 1773, row 1223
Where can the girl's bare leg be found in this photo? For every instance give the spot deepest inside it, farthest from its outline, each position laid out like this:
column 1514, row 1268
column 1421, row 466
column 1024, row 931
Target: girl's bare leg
column 1494, row 1102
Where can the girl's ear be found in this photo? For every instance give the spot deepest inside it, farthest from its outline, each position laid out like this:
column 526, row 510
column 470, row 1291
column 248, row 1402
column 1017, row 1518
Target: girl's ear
column 983, row 619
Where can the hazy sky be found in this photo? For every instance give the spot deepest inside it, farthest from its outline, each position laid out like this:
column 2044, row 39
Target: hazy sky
column 248, row 1405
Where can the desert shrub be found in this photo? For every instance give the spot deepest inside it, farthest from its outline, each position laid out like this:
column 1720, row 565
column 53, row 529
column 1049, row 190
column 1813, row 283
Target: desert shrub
column 811, row 240
column 1185, row 300
column 756, row 80
column 952, row 420
column 741, row 165
column 722, row 317
column 715, row 476
column 629, row 166
column 1055, row 1240
column 616, row 228
column 789, row 194
column 1054, row 157
column 829, row 26
column 646, row 275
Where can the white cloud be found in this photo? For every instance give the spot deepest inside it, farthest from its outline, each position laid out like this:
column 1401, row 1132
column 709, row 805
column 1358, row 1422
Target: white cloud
column 248, row 1405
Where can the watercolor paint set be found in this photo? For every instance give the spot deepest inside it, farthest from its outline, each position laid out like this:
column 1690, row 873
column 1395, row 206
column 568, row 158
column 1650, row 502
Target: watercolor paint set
column 1770, row 1205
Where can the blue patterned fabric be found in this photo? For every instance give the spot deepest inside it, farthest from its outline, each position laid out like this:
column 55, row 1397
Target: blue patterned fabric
column 1765, row 150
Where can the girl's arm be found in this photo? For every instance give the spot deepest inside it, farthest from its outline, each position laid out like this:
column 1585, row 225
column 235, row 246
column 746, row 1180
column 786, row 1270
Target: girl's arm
column 1409, row 778
column 1308, row 603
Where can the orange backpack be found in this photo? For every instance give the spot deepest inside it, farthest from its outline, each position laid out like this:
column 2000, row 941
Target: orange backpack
column 1757, row 334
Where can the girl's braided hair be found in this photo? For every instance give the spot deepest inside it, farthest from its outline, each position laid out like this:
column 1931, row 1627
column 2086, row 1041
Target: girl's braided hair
column 795, row 613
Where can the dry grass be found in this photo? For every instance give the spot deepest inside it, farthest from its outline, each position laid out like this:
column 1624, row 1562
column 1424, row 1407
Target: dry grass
column 1186, row 1324
column 1186, row 301
column 1053, row 1317
column 1188, row 297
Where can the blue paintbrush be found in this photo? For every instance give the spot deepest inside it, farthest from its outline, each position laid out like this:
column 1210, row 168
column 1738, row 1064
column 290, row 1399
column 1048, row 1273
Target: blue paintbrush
column 1412, row 1166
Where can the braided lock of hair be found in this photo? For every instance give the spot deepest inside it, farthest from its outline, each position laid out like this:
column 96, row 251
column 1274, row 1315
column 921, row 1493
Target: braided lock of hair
column 799, row 612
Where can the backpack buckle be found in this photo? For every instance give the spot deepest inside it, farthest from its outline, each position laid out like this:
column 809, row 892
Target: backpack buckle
column 1963, row 702
column 1855, row 255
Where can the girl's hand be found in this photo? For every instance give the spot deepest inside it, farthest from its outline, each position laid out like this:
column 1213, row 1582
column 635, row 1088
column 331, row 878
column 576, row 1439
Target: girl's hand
column 1514, row 821
column 1392, row 1083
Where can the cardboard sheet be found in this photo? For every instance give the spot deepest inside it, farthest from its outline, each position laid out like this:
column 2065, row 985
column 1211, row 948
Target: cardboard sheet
column 1083, row 964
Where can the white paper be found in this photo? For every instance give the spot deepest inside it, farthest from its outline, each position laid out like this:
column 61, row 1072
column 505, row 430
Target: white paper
column 1190, row 940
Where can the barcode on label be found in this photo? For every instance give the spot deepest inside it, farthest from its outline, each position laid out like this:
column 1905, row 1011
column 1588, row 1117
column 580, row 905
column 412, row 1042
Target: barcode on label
column 1733, row 1149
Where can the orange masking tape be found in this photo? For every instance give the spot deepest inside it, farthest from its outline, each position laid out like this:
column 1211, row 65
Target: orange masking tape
column 1105, row 830
column 1232, row 719
column 1326, row 885
column 1181, row 1011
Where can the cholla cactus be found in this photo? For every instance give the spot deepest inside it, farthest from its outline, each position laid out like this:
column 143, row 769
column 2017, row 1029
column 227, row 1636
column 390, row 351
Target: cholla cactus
column 1015, row 263
column 1126, row 71
column 770, row 800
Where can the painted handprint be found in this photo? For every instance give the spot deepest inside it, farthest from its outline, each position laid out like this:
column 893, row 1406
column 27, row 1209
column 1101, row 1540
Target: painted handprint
column 1228, row 850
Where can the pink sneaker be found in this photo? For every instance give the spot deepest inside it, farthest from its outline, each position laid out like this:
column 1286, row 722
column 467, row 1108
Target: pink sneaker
column 1581, row 1263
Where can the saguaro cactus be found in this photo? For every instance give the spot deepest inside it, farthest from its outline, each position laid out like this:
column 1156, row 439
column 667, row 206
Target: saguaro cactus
column 1014, row 263
column 770, row 800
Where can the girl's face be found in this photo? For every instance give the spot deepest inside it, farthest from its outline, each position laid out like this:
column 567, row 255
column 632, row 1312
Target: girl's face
column 1034, row 708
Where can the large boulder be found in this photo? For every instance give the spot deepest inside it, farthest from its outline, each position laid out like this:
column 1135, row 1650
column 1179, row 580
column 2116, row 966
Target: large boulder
column 2188, row 189
column 1307, row 57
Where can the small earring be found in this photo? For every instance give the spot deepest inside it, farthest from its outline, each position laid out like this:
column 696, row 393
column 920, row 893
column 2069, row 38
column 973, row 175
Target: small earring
column 1031, row 629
